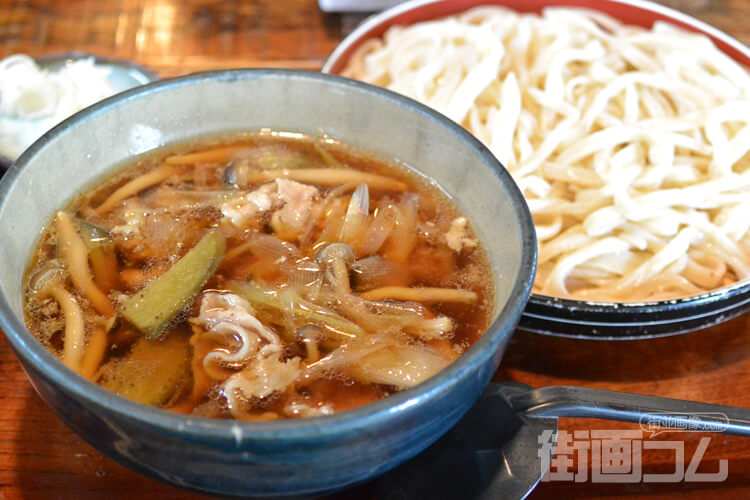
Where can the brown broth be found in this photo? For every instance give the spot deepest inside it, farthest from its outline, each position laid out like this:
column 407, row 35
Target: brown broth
column 158, row 225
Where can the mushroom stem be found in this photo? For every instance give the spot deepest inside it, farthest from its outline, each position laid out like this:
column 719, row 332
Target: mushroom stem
column 75, row 256
column 138, row 184
column 74, row 327
column 335, row 259
column 341, row 277
column 424, row 295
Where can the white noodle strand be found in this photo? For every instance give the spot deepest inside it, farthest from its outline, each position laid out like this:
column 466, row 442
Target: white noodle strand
column 631, row 146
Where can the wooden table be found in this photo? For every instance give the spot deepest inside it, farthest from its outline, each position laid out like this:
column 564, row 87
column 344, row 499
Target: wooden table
column 41, row 458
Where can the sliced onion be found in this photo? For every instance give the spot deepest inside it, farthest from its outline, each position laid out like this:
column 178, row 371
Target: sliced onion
column 379, row 230
column 346, row 354
column 380, row 316
column 401, row 366
column 305, row 278
column 404, row 236
column 430, row 329
column 271, row 248
column 266, row 247
column 356, row 214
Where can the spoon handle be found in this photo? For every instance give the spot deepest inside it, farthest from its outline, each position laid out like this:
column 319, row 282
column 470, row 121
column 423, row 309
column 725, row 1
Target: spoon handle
column 568, row 401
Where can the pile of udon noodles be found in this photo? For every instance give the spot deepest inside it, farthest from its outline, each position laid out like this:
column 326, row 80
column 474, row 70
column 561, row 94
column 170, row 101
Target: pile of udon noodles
column 630, row 145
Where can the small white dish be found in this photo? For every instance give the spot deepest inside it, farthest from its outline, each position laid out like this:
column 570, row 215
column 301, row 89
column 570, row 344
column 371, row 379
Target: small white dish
column 122, row 75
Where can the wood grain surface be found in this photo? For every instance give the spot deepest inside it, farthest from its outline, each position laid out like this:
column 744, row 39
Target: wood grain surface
column 41, row 458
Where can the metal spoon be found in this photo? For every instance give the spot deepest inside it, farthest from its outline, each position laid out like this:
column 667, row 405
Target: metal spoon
column 493, row 452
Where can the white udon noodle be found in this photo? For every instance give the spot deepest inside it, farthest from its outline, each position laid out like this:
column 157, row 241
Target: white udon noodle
column 630, row 146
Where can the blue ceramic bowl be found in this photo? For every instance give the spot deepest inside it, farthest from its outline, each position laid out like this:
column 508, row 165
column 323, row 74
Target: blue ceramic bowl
column 287, row 457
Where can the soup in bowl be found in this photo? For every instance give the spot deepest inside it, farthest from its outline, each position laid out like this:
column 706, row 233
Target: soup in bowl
column 269, row 276
column 61, row 193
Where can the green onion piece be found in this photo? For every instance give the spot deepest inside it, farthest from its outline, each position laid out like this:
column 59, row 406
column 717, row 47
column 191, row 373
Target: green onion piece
column 286, row 301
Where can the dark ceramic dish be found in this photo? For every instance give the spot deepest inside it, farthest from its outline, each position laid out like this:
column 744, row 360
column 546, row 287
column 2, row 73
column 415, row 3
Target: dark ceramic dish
column 634, row 320
column 285, row 457
column 567, row 317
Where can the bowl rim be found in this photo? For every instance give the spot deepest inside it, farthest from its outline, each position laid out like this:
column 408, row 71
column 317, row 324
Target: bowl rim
column 545, row 305
column 376, row 24
column 234, row 432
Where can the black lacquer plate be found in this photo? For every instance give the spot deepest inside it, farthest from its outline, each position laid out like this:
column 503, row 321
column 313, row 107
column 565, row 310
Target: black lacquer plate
column 636, row 320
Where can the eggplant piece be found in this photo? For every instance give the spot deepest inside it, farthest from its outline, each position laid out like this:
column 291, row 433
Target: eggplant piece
column 152, row 308
column 151, row 373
